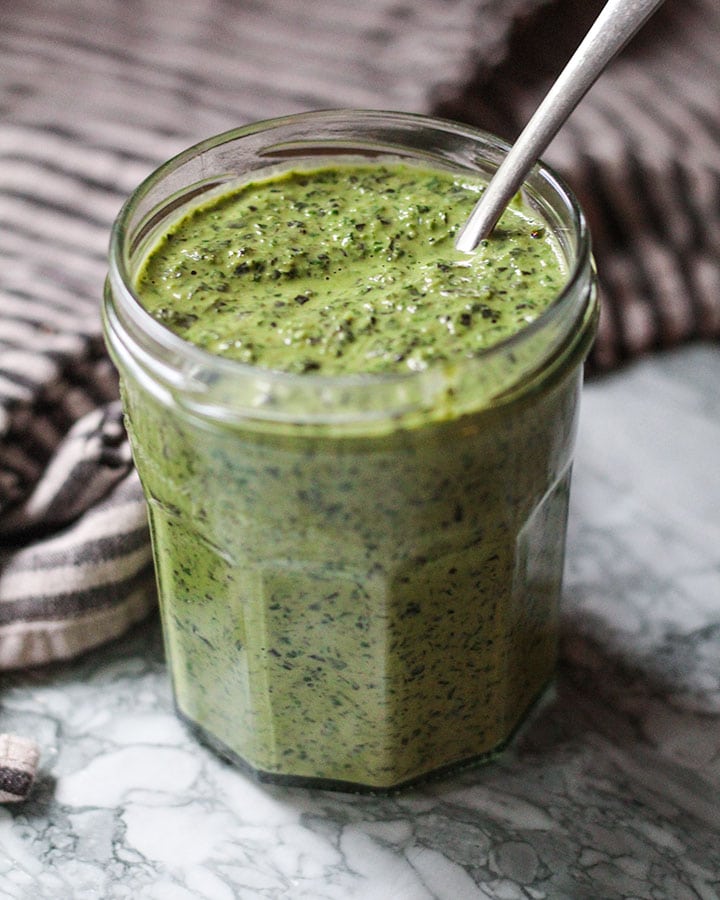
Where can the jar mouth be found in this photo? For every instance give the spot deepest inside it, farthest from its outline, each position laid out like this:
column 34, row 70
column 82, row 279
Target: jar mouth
column 224, row 387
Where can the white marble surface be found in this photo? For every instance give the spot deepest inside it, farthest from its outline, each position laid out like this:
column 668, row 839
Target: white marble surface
column 612, row 791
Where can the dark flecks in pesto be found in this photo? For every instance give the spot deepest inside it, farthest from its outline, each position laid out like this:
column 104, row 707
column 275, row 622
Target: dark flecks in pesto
column 350, row 268
column 364, row 607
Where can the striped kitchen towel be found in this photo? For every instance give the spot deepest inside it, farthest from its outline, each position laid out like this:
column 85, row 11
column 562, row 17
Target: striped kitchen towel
column 95, row 93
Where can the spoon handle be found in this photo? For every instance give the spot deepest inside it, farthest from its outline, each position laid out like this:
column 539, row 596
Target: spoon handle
column 617, row 23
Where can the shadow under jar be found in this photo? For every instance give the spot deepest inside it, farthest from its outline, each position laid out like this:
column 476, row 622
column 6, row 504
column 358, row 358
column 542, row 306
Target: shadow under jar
column 359, row 575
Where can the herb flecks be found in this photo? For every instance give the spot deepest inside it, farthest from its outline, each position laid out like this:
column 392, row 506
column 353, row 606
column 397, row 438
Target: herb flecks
column 281, row 273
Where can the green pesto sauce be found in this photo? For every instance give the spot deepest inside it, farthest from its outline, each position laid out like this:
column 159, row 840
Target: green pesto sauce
column 349, row 268
column 366, row 608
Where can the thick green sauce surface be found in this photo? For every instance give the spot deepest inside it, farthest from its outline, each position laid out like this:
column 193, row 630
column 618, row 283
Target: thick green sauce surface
column 350, row 268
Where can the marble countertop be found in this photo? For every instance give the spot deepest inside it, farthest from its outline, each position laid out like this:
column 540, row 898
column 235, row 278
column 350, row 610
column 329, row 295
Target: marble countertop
column 613, row 790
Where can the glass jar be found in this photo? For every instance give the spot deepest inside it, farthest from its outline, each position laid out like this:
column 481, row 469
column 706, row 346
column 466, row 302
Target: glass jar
column 359, row 575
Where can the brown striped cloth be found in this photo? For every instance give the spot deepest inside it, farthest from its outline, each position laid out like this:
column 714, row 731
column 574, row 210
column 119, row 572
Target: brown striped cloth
column 19, row 759
column 96, row 93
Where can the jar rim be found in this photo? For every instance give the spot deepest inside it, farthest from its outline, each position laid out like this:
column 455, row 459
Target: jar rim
column 123, row 309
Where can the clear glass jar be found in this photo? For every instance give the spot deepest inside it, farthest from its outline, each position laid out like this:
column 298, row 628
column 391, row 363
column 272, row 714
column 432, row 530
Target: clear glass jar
column 359, row 575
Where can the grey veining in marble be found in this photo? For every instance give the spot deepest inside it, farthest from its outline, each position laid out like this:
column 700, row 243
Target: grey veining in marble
column 612, row 791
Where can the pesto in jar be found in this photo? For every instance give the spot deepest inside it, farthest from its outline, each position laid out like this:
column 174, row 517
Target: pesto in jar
column 349, row 269
column 355, row 608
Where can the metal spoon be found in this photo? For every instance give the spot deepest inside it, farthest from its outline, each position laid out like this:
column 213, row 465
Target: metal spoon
column 613, row 28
